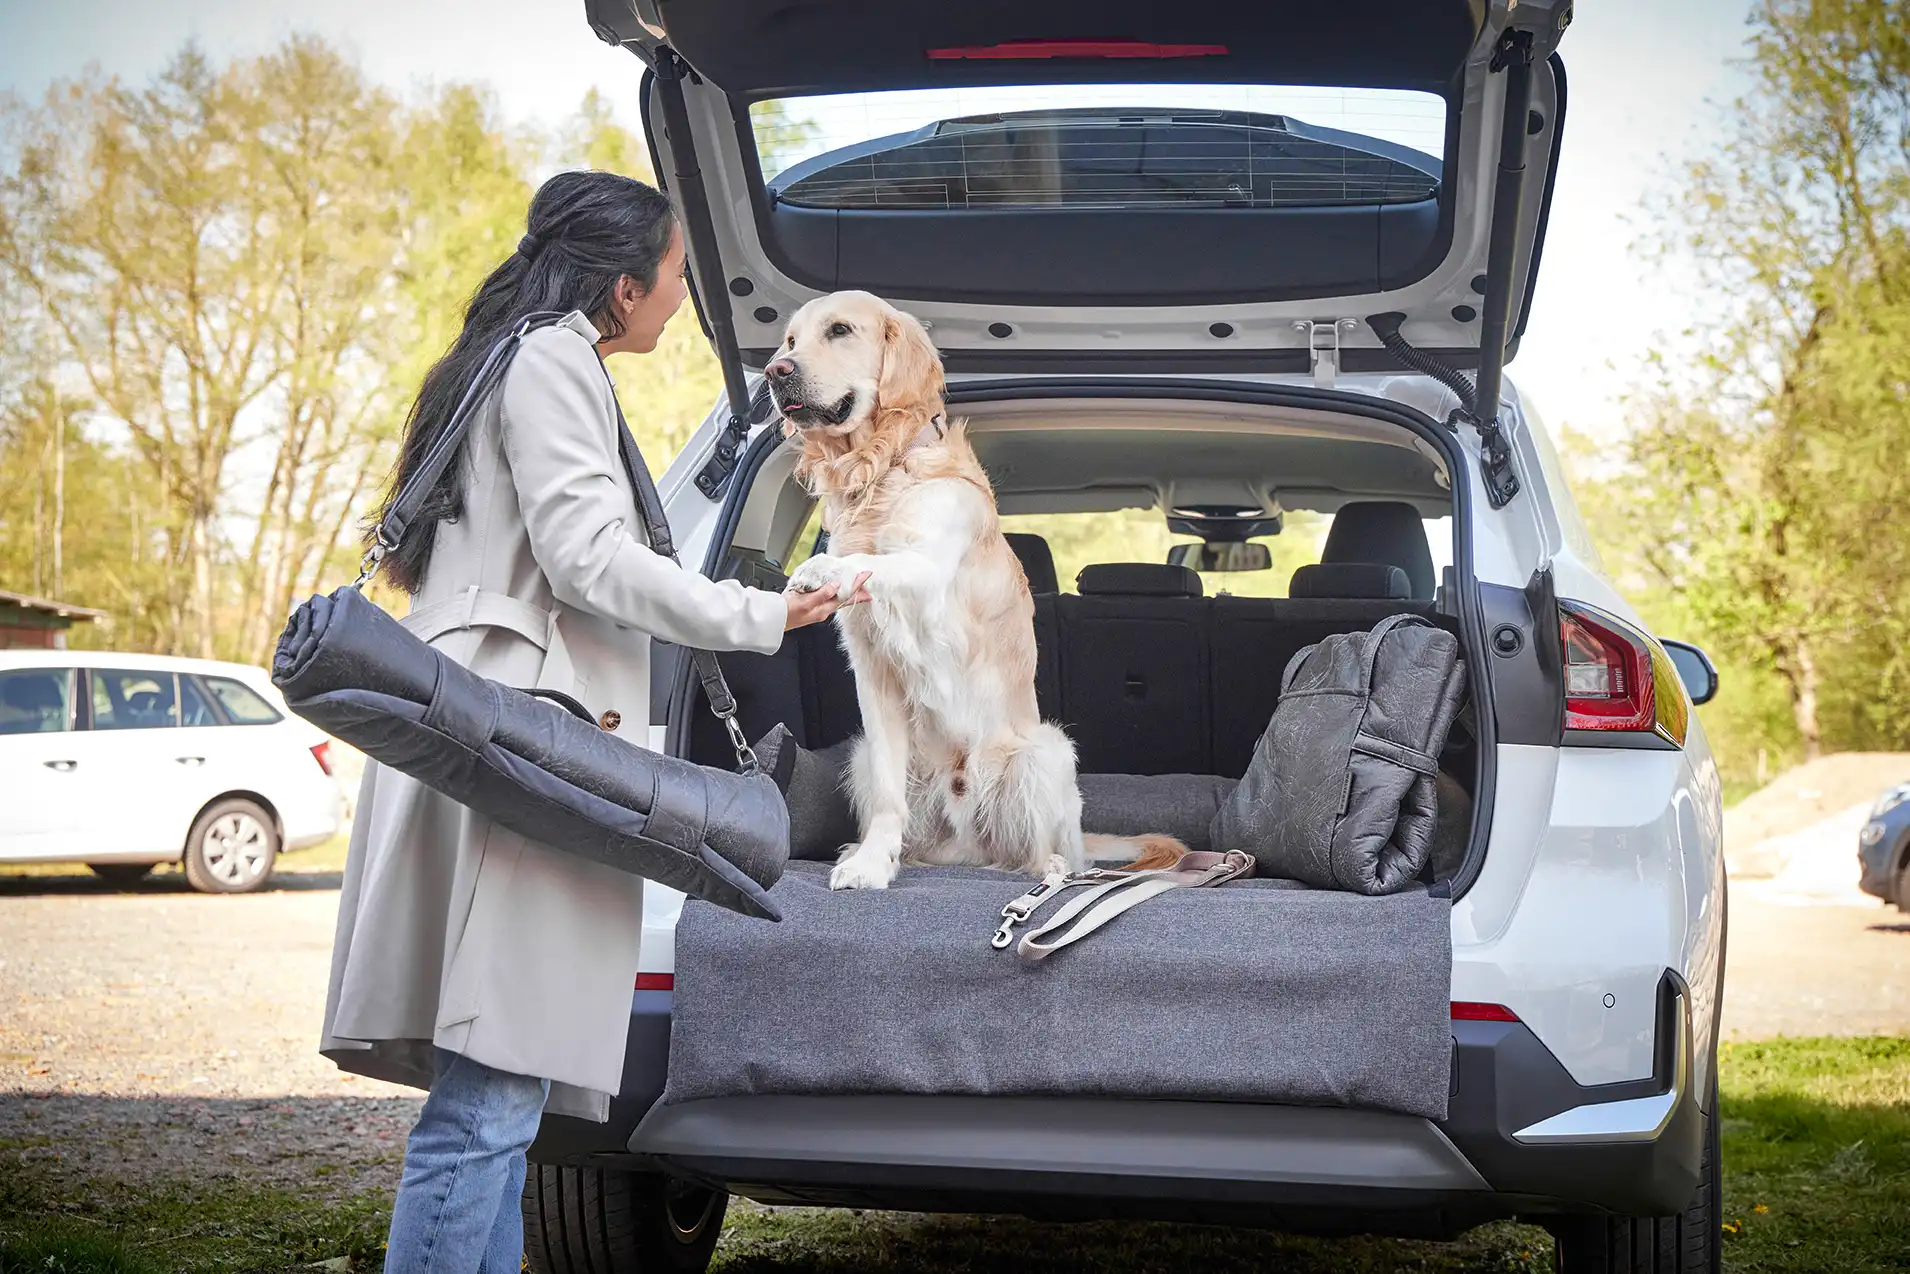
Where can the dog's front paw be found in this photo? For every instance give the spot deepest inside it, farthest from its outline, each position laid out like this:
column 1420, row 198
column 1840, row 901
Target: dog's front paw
column 863, row 867
column 819, row 573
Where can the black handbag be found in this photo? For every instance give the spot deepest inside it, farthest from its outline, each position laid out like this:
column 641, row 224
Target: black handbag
column 534, row 760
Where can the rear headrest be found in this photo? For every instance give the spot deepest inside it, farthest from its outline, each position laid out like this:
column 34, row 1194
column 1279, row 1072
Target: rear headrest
column 1138, row 579
column 1350, row 579
column 1387, row 531
column 1037, row 561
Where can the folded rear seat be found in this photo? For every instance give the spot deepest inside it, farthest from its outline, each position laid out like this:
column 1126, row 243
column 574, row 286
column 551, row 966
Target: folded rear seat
column 1134, row 669
column 1147, row 675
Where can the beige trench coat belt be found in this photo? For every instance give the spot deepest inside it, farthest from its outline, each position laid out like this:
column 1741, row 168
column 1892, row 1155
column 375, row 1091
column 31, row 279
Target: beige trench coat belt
column 479, row 608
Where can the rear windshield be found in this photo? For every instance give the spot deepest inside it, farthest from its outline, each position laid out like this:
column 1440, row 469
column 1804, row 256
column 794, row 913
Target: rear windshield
column 1103, row 146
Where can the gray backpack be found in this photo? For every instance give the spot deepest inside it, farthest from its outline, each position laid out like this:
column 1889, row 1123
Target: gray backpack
column 1340, row 793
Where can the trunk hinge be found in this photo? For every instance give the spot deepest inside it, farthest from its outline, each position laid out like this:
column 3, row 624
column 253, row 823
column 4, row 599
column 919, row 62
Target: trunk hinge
column 1323, row 346
column 707, row 284
column 1479, row 398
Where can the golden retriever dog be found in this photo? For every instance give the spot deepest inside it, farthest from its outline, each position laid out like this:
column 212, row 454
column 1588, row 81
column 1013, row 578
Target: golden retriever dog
column 954, row 764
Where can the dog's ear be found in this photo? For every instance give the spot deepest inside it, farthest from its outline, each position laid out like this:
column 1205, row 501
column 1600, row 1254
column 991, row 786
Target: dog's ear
column 911, row 375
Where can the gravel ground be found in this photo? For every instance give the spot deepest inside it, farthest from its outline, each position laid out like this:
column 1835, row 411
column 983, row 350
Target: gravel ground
column 1804, row 970
column 162, row 1031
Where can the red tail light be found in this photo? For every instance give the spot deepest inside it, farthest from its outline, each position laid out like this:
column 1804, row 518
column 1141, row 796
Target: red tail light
column 1023, row 50
column 656, row 982
column 1618, row 680
column 1470, row 1011
column 322, row 753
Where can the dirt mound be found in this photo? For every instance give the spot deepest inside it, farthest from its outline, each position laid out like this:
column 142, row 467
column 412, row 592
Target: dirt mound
column 1762, row 831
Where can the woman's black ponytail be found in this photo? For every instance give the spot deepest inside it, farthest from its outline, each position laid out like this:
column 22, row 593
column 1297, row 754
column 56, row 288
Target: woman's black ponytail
column 585, row 231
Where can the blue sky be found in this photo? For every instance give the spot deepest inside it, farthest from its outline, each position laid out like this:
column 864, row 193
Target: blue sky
column 1649, row 82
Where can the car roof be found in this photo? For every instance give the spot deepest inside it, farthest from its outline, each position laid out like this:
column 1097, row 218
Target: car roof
column 10, row 659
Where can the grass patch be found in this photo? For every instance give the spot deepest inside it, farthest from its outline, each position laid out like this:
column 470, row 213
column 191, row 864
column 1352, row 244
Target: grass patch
column 1817, row 1155
column 822, row 1241
column 175, row 1227
column 65, row 1249
column 1817, row 1178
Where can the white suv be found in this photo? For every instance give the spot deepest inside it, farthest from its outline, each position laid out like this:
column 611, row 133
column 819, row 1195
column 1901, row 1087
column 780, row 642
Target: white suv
column 127, row 761
column 1159, row 281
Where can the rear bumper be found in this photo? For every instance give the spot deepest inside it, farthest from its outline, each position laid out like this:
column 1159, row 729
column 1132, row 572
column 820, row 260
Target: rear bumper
column 1520, row 1139
column 312, row 814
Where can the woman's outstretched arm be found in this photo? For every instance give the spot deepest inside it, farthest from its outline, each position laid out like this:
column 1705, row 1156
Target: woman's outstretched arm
column 561, row 447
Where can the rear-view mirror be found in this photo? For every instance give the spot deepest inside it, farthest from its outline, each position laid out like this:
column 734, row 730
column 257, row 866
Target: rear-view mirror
column 1221, row 555
column 1695, row 669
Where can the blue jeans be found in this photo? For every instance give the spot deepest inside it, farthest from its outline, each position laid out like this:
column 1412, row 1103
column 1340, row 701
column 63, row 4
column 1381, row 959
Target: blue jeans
column 457, row 1205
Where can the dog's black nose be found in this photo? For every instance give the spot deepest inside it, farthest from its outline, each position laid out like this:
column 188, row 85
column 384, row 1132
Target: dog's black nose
column 781, row 369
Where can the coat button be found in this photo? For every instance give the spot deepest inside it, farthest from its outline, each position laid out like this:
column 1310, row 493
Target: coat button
column 611, row 719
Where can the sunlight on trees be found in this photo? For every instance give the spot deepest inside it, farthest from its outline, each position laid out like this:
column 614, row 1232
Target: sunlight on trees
column 1763, row 486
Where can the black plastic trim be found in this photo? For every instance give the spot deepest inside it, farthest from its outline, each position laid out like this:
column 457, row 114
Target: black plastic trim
column 1528, row 688
column 1509, row 1080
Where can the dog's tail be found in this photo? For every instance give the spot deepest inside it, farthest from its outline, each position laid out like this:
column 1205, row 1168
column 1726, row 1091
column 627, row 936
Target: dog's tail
column 1146, row 852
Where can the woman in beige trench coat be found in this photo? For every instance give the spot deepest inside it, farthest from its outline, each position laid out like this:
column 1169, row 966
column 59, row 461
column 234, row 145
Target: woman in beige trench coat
column 485, row 967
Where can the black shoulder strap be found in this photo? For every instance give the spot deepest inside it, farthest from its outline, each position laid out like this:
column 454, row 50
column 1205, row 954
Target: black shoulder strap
column 418, row 487
column 411, row 497
column 657, row 527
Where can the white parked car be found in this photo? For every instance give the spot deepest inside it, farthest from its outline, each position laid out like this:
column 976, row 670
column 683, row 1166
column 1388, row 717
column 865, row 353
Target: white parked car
column 1224, row 262
column 127, row 761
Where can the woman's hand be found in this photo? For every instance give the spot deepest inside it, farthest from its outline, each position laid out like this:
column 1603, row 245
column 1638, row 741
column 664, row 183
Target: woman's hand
column 813, row 608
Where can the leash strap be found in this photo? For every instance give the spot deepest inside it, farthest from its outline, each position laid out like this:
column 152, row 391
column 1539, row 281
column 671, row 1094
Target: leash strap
column 1113, row 892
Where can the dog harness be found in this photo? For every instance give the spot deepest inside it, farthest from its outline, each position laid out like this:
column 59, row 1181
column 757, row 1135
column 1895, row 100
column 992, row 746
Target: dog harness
column 1114, row 892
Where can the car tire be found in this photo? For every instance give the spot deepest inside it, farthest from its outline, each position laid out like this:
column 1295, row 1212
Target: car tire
column 603, row 1221
column 1691, row 1242
column 121, row 875
column 232, row 848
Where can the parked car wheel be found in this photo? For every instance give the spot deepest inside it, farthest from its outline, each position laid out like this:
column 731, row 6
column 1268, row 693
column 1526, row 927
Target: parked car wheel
column 1689, row 1243
column 589, row 1220
column 232, row 848
column 121, row 875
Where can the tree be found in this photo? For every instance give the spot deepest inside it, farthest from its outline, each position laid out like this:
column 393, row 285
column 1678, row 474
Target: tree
column 1763, row 481
column 323, row 147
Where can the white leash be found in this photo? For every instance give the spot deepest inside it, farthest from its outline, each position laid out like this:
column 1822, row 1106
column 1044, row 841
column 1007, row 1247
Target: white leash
column 1114, row 892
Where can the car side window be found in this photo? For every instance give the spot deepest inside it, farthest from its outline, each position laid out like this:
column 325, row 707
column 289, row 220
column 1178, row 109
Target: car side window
column 127, row 700
column 243, row 705
column 194, row 707
column 36, row 701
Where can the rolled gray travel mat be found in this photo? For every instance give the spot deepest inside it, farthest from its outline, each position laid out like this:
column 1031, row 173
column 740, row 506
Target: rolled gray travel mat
column 358, row 674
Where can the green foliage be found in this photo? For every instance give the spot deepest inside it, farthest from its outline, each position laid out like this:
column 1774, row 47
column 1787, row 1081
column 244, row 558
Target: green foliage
column 1763, row 486
column 221, row 289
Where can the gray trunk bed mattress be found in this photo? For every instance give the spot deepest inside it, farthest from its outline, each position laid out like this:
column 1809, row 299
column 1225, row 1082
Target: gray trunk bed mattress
column 1260, row 990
